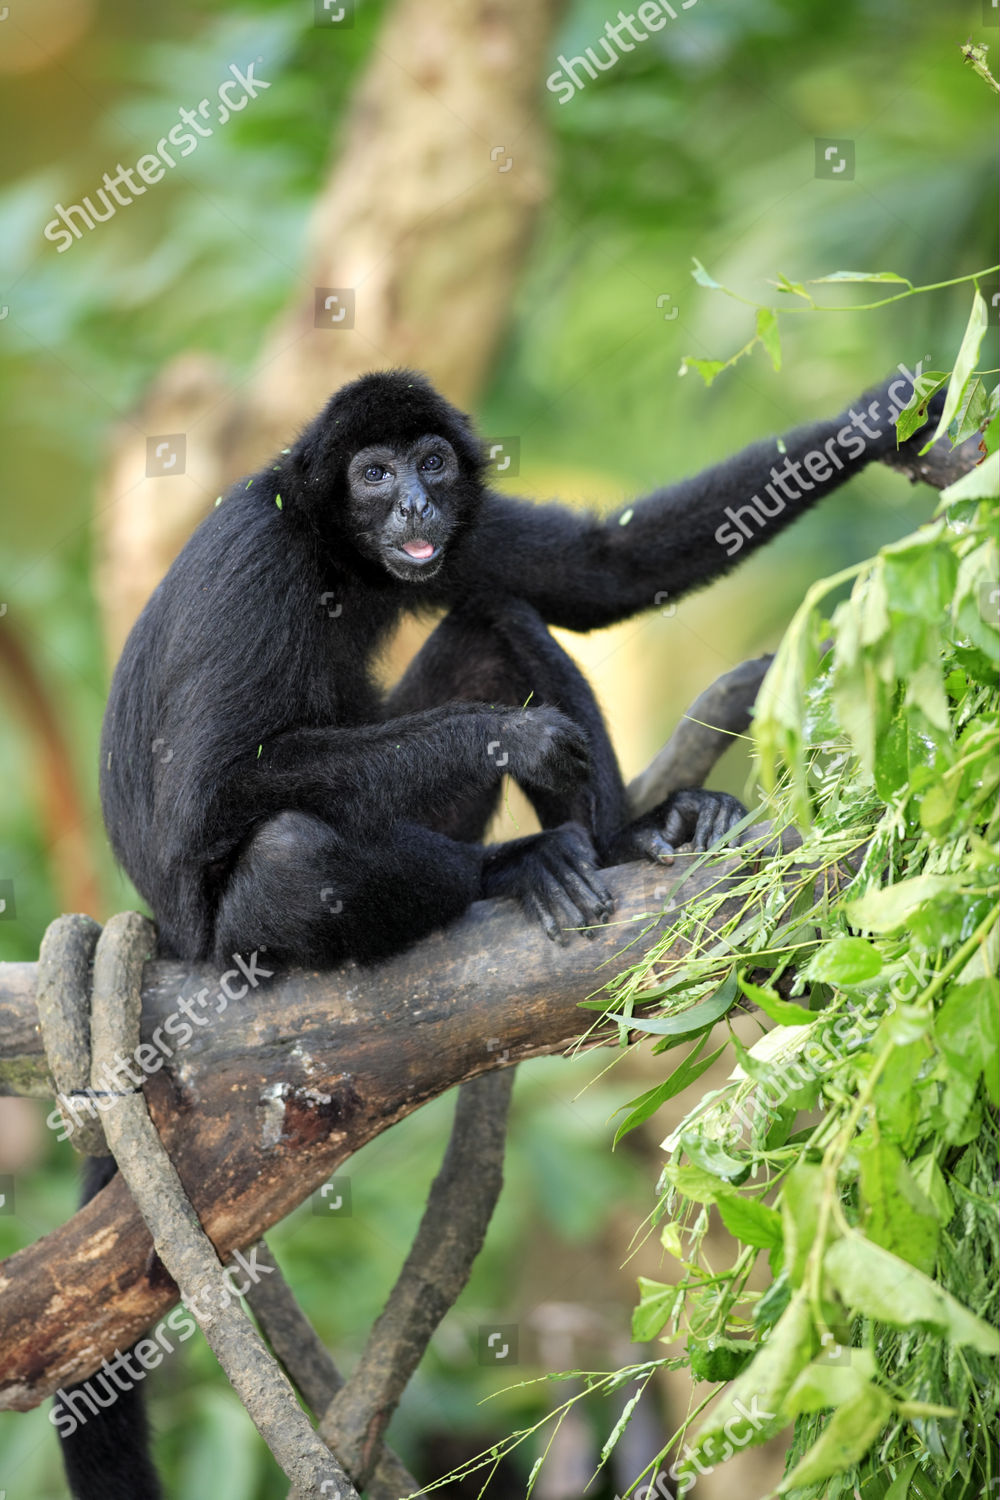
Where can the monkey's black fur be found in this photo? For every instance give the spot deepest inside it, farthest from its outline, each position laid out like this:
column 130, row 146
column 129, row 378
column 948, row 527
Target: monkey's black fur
column 262, row 793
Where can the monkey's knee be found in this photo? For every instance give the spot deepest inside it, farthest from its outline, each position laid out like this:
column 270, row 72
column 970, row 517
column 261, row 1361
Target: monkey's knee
column 285, row 892
column 285, row 838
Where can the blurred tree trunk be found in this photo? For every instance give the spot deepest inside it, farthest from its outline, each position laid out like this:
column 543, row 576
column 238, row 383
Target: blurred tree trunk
column 425, row 217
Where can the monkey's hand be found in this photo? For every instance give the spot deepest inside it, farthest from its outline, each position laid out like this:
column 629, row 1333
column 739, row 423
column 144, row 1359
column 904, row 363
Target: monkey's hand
column 693, row 819
column 546, row 751
column 554, row 875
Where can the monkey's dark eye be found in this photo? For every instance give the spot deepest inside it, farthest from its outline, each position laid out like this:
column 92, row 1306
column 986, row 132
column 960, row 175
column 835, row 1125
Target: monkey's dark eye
column 433, row 461
column 374, row 473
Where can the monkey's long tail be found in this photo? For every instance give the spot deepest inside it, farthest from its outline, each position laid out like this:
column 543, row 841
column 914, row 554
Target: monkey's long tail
column 102, row 1426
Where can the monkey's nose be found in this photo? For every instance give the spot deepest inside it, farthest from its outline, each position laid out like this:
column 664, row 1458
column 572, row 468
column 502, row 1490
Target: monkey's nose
column 416, row 505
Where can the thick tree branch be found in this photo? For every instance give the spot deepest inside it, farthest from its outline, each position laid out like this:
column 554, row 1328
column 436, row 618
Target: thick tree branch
column 941, row 465
column 276, row 1087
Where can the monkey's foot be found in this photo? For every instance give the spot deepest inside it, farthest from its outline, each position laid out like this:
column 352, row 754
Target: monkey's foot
column 555, row 877
column 692, row 819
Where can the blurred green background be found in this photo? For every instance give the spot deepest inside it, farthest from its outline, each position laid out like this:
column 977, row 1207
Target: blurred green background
column 698, row 143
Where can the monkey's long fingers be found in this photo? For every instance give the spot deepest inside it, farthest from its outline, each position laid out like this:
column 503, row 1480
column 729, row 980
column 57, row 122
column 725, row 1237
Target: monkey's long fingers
column 651, row 843
column 540, row 910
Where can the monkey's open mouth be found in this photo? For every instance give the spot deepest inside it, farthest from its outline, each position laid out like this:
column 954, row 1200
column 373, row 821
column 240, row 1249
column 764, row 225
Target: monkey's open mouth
column 419, row 550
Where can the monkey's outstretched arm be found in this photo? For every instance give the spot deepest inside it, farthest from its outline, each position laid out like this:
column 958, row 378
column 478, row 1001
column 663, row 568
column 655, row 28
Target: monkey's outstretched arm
column 583, row 572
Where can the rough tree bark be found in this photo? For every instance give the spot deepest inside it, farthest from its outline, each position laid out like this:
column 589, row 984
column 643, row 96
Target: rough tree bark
column 274, row 1091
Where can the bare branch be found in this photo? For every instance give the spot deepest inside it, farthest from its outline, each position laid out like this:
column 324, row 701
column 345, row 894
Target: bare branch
column 704, row 733
column 451, row 1234
column 305, row 1360
column 941, row 465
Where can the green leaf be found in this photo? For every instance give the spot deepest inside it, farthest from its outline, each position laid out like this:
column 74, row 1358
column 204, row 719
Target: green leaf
column 965, row 363
column 760, row 1389
column 965, row 1029
column 712, row 1155
column 685, row 1022
column 897, row 1214
column 925, row 690
column 846, row 1438
column 900, row 1487
column 685, row 1073
column 877, row 1284
column 845, row 961
column 931, row 1181
column 785, row 1012
column 973, row 412
column 694, row 1182
column 656, row 1302
column 801, row 1199
column 981, row 483
column 791, row 288
column 767, row 332
column 703, row 278
column 860, row 276
column 752, row 1222
column 719, row 1358
column 914, row 413
column 831, row 1380
column 708, row 369
column 885, row 910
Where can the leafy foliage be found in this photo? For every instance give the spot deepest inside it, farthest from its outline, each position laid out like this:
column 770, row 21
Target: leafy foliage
column 855, row 1146
column 856, row 1143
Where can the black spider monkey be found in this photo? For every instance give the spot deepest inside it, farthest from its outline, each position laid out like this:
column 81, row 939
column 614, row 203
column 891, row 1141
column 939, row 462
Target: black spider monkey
column 262, row 794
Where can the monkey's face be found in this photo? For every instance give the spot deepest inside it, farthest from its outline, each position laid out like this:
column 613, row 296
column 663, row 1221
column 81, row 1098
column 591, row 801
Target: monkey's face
column 405, row 504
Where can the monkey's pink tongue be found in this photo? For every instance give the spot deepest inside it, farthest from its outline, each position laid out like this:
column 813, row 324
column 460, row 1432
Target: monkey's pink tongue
column 418, row 549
